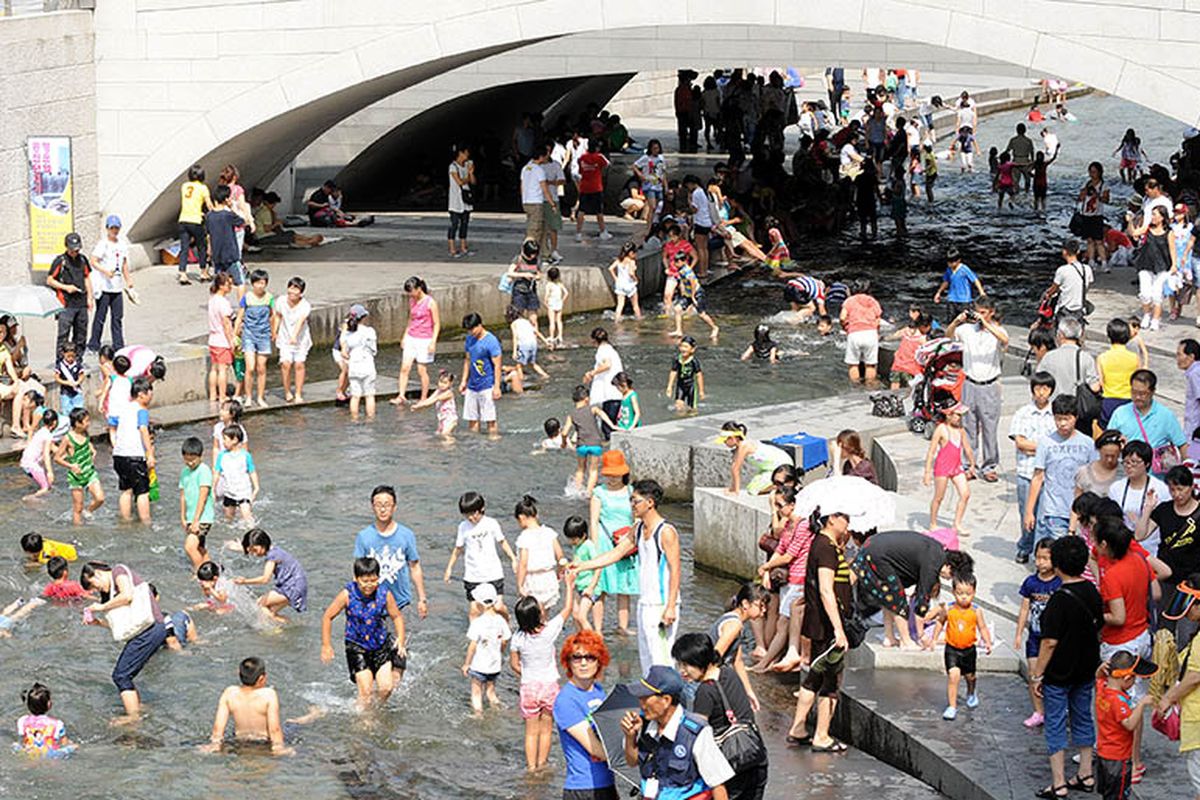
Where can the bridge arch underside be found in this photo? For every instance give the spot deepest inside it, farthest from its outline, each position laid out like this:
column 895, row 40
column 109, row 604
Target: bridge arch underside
column 263, row 150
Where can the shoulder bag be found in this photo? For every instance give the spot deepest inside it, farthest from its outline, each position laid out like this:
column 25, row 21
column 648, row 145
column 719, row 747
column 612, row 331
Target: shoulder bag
column 1165, row 457
column 740, row 743
column 1087, row 402
column 126, row 622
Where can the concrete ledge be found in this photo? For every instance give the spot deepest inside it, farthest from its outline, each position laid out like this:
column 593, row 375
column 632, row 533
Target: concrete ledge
column 875, row 656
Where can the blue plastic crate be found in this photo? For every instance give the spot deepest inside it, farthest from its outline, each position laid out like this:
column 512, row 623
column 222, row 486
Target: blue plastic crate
column 809, row 452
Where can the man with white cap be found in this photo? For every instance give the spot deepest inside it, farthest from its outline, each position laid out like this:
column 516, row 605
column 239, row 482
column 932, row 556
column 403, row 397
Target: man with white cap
column 110, row 261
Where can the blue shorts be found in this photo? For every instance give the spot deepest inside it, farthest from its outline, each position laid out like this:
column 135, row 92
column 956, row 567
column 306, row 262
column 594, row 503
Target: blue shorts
column 1073, row 705
column 1032, row 645
column 69, row 402
column 253, row 342
column 586, row 450
column 235, row 270
column 527, row 354
column 482, row 677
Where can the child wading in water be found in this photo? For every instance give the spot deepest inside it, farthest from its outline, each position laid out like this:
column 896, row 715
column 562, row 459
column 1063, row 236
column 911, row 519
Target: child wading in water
column 587, row 582
column 447, row 406
column 630, row 416
column 254, row 707
column 538, row 554
column 291, row 582
column 77, row 454
column 534, row 658
column 763, row 347
column 943, row 464
column 625, row 281
column 556, row 299
column 1035, row 593
column 196, row 514
column 37, row 458
column 685, row 385
column 964, row 626
column 476, row 541
column 488, row 635
column 525, row 344
column 41, row 736
column 585, row 420
column 373, row 657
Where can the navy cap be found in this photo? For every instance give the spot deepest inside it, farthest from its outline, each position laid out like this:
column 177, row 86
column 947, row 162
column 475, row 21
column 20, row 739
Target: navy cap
column 658, row 681
column 73, row 241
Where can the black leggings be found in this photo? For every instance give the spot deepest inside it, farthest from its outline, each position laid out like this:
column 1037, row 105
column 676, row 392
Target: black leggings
column 459, row 220
column 190, row 232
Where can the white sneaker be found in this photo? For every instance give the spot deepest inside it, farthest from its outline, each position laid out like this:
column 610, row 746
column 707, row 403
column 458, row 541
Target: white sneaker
column 579, row 236
column 556, row 257
column 950, row 713
column 1155, row 324
column 604, row 236
column 1145, row 320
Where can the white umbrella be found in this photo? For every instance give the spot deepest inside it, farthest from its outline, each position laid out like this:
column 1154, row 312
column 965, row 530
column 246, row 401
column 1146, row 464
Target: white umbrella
column 867, row 505
column 29, row 301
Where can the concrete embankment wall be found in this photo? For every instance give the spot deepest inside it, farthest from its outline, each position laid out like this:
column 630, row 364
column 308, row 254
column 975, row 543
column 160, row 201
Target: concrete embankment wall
column 47, row 88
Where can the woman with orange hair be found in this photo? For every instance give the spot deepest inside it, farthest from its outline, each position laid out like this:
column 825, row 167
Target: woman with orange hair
column 584, row 658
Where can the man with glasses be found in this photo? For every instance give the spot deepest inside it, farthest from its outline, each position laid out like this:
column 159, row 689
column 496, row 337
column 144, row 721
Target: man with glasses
column 984, row 341
column 1146, row 420
column 394, row 546
column 656, row 543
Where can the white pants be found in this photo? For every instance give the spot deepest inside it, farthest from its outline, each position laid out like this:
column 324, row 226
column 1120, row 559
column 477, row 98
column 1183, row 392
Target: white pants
column 1151, row 286
column 654, row 642
column 1141, row 646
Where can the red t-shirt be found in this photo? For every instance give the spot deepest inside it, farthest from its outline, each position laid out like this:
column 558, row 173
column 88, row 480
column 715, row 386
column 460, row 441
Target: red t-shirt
column 1128, row 579
column 591, row 173
column 67, row 590
column 1113, row 742
column 862, row 313
column 1116, row 239
column 670, row 251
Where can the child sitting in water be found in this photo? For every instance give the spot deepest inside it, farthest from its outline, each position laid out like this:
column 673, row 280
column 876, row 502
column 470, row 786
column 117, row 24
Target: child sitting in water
column 779, row 258
column 39, row 550
column 487, row 635
column 534, row 657
column 37, row 457
column 575, row 531
column 555, row 438
column 254, row 707
column 16, row 611
column 61, row 587
column 215, row 589
column 291, row 582
column 585, row 419
column 443, row 399
column 538, row 554
column 762, row 348
column 41, row 736
column 964, row 626
column 373, row 656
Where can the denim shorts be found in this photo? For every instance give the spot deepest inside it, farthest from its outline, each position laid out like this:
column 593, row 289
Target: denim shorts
column 1053, row 527
column 253, row 342
column 1074, row 702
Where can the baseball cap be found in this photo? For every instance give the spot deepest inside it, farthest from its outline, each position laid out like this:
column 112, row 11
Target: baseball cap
column 73, row 241
column 1181, row 207
column 484, row 594
column 113, row 221
column 659, row 680
column 359, row 310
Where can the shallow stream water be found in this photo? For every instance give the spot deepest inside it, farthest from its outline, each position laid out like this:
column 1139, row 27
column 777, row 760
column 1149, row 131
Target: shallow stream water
column 317, row 470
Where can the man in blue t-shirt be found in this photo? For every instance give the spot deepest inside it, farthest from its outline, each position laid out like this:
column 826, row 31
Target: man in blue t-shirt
column 1147, row 420
column 960, row 280
column 480, row 382
column 1058, row 459
column 395, row 548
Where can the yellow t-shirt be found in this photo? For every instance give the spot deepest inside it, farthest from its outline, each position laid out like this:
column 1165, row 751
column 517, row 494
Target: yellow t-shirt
column 1189, row 718
column 1117, row 364
column 51, row 548
column 192, row 195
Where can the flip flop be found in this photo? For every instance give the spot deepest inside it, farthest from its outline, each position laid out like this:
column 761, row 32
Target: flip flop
column 799, row 741
column 1052, row 792
column 834, row 747
column 1082, row 784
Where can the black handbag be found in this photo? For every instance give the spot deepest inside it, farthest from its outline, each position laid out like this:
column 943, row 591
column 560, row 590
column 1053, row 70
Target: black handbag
column 855, row 628
column 1087, row 402
column 740, row 743
column 1077, row 224
column 468, row 196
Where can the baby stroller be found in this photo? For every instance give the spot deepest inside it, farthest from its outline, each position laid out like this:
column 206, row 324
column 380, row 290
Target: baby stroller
column 939, row 385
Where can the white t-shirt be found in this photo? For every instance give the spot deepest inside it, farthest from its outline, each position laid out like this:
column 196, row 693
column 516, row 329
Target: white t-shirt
column 966, row 115
column 981, row 352
column 110, row 256
column 234, row 467
column 119, row 395
column 489, row 632
column 1069, row 278
column 456, row 203
column 554, row 175
column 289, row 315
column 524, row 330
column 574, row 151
column 532, row 176
column 846, row 156
column 654, row 168
column 602, row 388
column 539, row 652
column 481, row 562
column 539, row 542
column 361, row 345
column 1148, row 206
column 128, row 440
column 1131, row 501
column 699, row 201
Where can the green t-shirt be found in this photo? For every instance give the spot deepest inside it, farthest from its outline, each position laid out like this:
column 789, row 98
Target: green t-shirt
column 585, row 552
column 190, row 481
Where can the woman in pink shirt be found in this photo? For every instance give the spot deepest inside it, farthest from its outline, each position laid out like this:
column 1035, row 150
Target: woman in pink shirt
column 860, row 318
column 420, row 337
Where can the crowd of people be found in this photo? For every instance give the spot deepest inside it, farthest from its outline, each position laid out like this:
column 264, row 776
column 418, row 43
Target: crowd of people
column 1104, row 485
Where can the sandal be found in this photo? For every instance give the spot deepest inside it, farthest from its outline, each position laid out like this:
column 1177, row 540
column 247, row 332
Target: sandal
column 833, row 747
column 1052, row 792
column 1082, row 783
column 799, row 741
